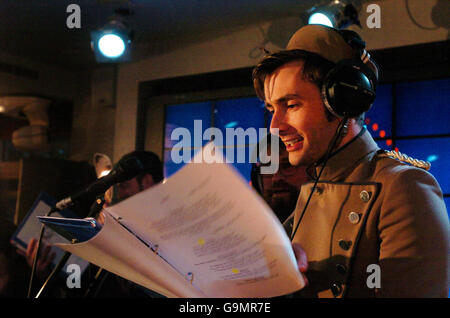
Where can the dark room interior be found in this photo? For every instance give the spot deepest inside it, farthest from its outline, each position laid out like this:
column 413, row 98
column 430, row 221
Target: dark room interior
column 69, row 112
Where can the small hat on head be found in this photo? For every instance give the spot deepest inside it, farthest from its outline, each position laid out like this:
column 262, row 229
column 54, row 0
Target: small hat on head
column 322, row 40
column 330, row 44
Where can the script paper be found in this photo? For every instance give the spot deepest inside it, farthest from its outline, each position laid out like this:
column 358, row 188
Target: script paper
column 216, row 231
column 30, row 228
column 120, row 252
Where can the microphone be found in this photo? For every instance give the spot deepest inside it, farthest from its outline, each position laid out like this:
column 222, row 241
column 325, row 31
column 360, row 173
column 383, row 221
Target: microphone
column 127, row 168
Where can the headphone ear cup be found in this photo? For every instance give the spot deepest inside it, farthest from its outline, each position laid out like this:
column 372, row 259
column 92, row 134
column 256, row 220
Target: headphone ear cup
column 347, row 91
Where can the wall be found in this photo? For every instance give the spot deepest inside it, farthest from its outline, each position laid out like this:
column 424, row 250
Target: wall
column 43, row 79
column 93, row 118
column 21, row 76
column 92, row 93
column 237, row 50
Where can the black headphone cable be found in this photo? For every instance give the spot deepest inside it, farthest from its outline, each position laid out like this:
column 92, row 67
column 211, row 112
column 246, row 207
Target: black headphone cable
column 340, row 132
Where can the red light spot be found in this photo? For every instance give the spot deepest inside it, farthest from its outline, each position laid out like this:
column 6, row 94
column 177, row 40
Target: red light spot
column 396, row 149
column 382, row 133
column 389, row 142
column 367, row 121
column 375, row 127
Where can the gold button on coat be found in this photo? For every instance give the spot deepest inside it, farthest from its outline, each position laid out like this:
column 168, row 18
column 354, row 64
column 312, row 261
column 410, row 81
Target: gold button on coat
column 364, row 196
column 353, row 217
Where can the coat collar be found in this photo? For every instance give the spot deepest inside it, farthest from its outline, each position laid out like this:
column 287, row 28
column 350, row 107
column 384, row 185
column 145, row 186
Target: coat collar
column 346, row 158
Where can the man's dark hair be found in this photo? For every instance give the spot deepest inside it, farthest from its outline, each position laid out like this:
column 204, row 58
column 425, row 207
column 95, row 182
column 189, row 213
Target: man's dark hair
column 315, row 68
column 151, row 162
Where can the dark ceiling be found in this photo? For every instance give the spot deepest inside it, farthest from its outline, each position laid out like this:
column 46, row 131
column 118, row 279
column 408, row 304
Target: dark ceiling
column 36, row 29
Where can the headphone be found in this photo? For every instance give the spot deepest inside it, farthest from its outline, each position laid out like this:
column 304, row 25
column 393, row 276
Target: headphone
column 348, row 89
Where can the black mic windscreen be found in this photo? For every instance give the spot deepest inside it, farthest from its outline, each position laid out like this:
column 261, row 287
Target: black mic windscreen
column 137, row 162
column 127, row 168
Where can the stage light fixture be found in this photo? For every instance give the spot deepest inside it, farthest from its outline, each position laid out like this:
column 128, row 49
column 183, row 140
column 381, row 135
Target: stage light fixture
column 338, row 14
column 320, row 18
column 112, row 43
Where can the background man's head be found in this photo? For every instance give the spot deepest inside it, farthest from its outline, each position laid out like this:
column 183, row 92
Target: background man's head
column 151, row 174
column 280, row 190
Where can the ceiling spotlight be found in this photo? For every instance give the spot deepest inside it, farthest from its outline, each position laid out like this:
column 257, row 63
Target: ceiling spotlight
column 320, row 18
column 338, row 14
column 111, row 45
column 112, row 42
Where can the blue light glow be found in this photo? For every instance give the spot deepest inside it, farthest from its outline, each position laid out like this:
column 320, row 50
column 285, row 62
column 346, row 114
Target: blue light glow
column 432, row 158
column 111, row 45
column 231, row 124
column 320, row 18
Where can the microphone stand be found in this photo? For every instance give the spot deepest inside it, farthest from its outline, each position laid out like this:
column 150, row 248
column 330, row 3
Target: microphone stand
column 95, row 209
column 96, row 284
column 33, row 269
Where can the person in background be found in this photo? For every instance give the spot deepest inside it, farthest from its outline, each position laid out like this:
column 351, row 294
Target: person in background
column 110, row 285
column 151, row 174
column 14, row 270
column 281, row 189
column 106, row 284
column 15, row 265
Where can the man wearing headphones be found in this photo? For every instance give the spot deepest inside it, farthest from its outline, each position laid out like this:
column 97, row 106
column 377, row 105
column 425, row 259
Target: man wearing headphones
column 367, row 225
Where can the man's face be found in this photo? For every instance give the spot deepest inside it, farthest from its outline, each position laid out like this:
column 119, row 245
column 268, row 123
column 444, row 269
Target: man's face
column 125, row 190
column 133, row 186
column 298, row 113
column 280, row 190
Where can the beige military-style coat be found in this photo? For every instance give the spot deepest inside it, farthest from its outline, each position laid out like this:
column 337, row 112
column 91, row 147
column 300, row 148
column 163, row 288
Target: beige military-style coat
column 373, row 209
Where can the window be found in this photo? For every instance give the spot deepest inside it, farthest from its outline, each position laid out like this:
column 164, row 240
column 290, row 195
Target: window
column 413, row 118
column 379, row 117
column 231, row 114
column 422, row 108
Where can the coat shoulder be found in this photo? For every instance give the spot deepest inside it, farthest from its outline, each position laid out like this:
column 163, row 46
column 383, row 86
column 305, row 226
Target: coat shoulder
column 404, row 159
column 388, row 163
column 393, row 174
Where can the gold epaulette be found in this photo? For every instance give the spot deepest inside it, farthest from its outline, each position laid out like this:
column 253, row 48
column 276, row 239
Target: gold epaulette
column 407, row 159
